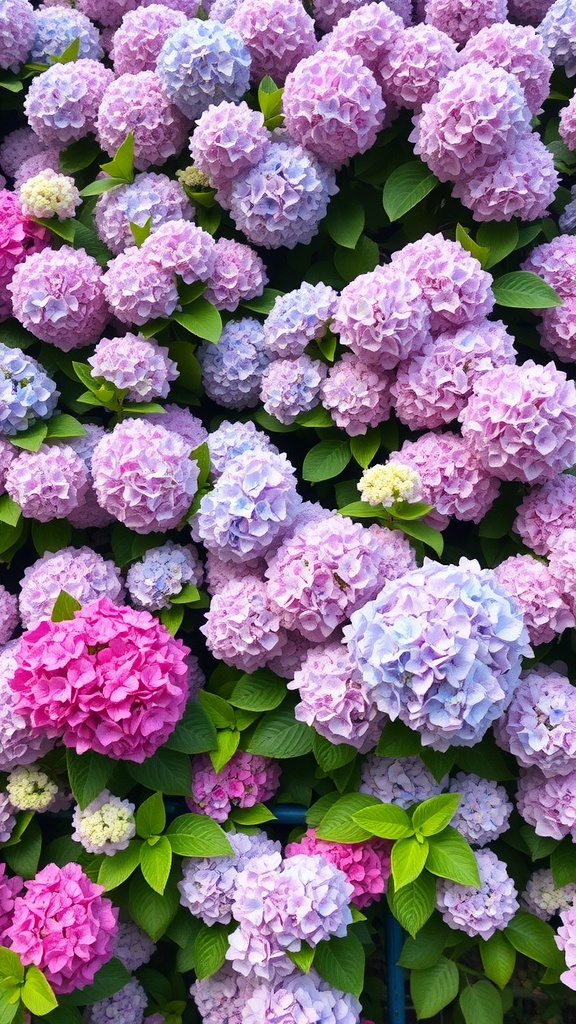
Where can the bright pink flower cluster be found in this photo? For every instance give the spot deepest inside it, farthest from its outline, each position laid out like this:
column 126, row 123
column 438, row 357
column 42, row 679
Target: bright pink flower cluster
column 246, row 779
column 366, row 865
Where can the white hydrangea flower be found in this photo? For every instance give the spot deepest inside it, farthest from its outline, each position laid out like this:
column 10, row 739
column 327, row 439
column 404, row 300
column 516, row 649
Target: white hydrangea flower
column 30, row 789
column 49, row 194
column 106, row 825
column 385, row 484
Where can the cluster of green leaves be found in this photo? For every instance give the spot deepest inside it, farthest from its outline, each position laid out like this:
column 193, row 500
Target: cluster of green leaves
column 22, row 988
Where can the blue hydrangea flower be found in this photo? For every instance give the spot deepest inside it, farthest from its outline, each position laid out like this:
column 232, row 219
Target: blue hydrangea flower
column 232, row 369
column 56, row 30
column 558, row 30
column 27, row 392
column 124, row 1007
column 232, row 439
column 162, row 573
column 201, row 63
column 298, row 317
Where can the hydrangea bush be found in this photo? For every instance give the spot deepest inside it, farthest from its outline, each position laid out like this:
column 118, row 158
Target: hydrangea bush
column 287, row 527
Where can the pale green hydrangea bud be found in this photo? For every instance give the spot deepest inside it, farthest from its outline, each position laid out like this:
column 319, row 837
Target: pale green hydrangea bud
column 106, row 825
column 29, row 789
column 385, row 484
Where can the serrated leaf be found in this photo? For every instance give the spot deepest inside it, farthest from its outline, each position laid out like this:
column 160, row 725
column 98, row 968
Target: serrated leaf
column 155, row 862
column 338, row 823
column 227, row 741
column 539, row 846
column 407, row 186
column 78, row 156
column 481, row 1004
column 37, row 994
column 202, row 319
column 318, row 417
column 115, row 870
column 261, row 691
column 524, row 290
column 279, row 735
column 151, row 817
column 385, row 820
column 433, row 815
column 434, row 988
column 407, row 859
column 498, row 958
column 10, row 81
column 88, row 775
column 10, row 964
column 218, row 709
column 195, row 835
column 535, row 938
column 167, row 771
column 345, row 219
column 450, row 857
column 332, row 755
column 65, row 607
column 363, row 258
column 10, row 512
column 326, row 460
column 107, row 981
column 195, row 732
column 439, row 763
column 65, row 229
column 149, row 909
column 210, row 950
column 340, row 962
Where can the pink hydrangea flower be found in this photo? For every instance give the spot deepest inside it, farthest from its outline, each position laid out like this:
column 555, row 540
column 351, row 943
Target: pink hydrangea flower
column 277, row 33
column 481, row 911
column 462, row 19
column 141, row 35
column 19, row 237
column 111, row 679
column 138, row 289
column 62, row 102
column 370, row 31
column 246, row 779
column 566, row 941
column 64, row 926
column 289, row 387
column 421, row 57
column 48, row 484
column 139, row 103
column 358, row 396
column 558, row 330
column 135, row 364
column 366, row 865
column 228, row 138
column 555, row 261
column 522, row 183
column 10, row 888
column 549, row 805
column 545, row 512
column 539, row 594
column 81, row 572
column 238, row 274
column 562, row 566
column 518, row 49
column 539, row 727
column 150, row 196
column 242, row 629
column 182, row 248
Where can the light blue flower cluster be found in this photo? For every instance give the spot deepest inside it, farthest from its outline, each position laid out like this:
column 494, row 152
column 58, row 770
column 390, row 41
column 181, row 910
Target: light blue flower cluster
column 201, row 63
column 27, row 393
column 162, row 573
column 232, row 370
column 57, row 28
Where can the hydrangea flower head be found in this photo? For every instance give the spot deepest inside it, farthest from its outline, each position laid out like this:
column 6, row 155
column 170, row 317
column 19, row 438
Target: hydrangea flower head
column 132, row 946
column 81, row 572
column 301, row 998
column 140, row 104
column 9, row 616
column 546, row 612
column 483, row 812
column 117, row 653
column 49, row 194
column 356, row 394
column 47, row 484
column 245, row 780
column 10, row 888
column 17, row 146
column 228, row 138
column 539, row 727
column 232, row 439
column 181, row 421
column 48, row 159
column 19, row 237
column 57, row 28
column 366, row 865
column 107, row 12
column 19, row 744
column 203, row 62
column 162, row 573
column 549, row 805
column 27, row 393
column 141, row 35
column 124, row 1007
column 232, row 370
column 242, row 628
column 183, row 248
column 17, row 32
column 403, row 781
column 522, row 183
column 105, row 825
column 150, row 195
column 369, row 30
column 289, row 387
column 277, row 33
column 545, row 511
column 565, row 940
column 221, row 998
column 440, row 648
column 7, row 823
column 135, row 364
column 542, row 898
column 420, row 58
column 462, row 19
column 384, row 484
column 30, row 789
column 518, row 49
column 297, row 318
column 558, row 30
column 238, row 274
column 479, row 912
column 138, row 288
column 63, row 101
column 64, row 926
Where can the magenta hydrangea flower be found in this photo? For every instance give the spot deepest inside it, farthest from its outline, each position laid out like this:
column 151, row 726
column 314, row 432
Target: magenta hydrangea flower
column 484, row 810
column 232, row 370
column 522, row 183
column 57, row 28
column 162, row 573
column 150, row 195
column 545, row 512
column 382, row 316
column 47, row 484
column 326, row 569
column 518, row 49
column 440, row 648
column 19, row 237
column 479, row 911
column 357, row 395
column 462, row 19
column 239, row 274
column 366, row 865
column 130, row 681
column 228, row 138
column 139, row 104
column 433, row 386
column 539, row 727
column 204, row 62
column 126, row 1006
column 232, row 439
column 136, row 365
column 245, row 780
column 370, row 31
column 182, row 248
column 81, row 572
column 242, row 628
column 403, row 781
column 289, row 387
column 478, row 113
column 451, row 476
column 558, row 30
column 132, row 946
column 10, row 888
column 548, row 804
column 277, row 33
column 63, row 101
column 58, row 295
column 142, row 33
column 138, row 289
column 542, row 898
column 457, row 289
column 333, row 698
column 333, row 106
column 521, row 422
column 18, row 743
column 143, row 476
column 252, row 504
column 420, row 58
column 298, row 999
column 297, row 318
column 17, row 32
column 539, row 594
column 64, row 926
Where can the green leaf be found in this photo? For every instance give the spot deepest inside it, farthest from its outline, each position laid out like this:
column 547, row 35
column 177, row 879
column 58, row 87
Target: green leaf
column 10, row 81
column 8, row 1009
column 51, row 536
column 218, row 709
column 500, row 239
column 227, row 741
column 397, row 740
column 407, row 186
column 317, row 417
column 407, row 511
column 65, row 1015
column 201, row 456
column 10, row 512
column 84, row 374
column 255, row 815
column 151, row 817
column 37, row 994
column 195, row 732
column 439, row 763
column 122, row 164
column 261, row 691
column 142, row 408
column 481, row 1004
column 31, row 438
column 539, row 846
column 65, row 229
column 484, row 759
column 23, row 857
column 269, row 100
column 434, row 988
column 338, row 823
column 69, row 55
column 107, row 981
column 156, row 861
column 78, row 156
column 303, row 958
column 87, row 239
column 331, row 755
column 431, row 816
column 365, row 446
column 345, row 219
column 480, row 252
column 64, row 607
column 210, row 950
column 524, row 290
column 263, row 303
column 166, row 771
column 385, row 820
column 115, row 870
column 88, row 775
column 363, row 258
column 279, row 735
column 326, row 460
column 563, row 864
column 202, row 319
column 189, row 367
column 361, row 510
column 11, row 965
column 172, row 618
column 96, row 188
column 498, row 958
column 141, row 232
column 408, row 858
column 149, row 909
column 425, row 950
column 341, row 962
column 195, row 835
column 451, row 857
column 534, row 938
column 64, row 425
column 433, row 538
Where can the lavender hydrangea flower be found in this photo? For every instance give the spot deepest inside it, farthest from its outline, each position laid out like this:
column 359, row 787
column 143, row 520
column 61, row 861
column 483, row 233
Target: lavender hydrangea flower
column 542, row 898
column 138, row 289
column 143, row 476
column 562, row 566
column 58, row 295
column 135, row 364
column 555, row 261
column 370, row 31
column 228, row 138
column 479, row 912
column 48, row 159
column 232, row 439
column 440, row 648
column 124, row 1007
column 62, row 103
column 242, row 628
column 528, row 12
column 297, row 318
column 132, row 946
column 232, row 370
column 47, row 484
column 27, row 393
column 277, row 33
column 462, row 19
column 183, row 248
column 90, row 513
column 357, row 395
column 18, row 745
column 558, row 30
column 521, row 421
column 301, row 998
column 484, row 810
column 7, row 454
column 546, row 612
column 81, row 572
column 522, row 183
column 17, row 32
column 518, row 49
column 558, row 329
column 252, row 504
column 17, row 146
column 289, row 387
column 208, row 884
column 545, row 511
column 9, row 617
column 139, row 103
column 203, row 62
column 107, row 12
column 181, row 421
column 221, row 998
column 105, row 825
column 333, row 698
column 239, row 274
column 539, row 727
column 420, row 58
column 57, row 28
column 549, row 805
column 150, row 195
column 7, row 823
column 162, row 573
column 282, row 199
column 403, row 781
column 141, row 35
